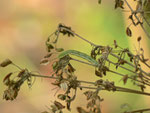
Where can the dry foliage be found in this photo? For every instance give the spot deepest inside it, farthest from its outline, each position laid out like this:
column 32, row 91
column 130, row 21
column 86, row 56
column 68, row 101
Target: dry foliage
column 63, row 70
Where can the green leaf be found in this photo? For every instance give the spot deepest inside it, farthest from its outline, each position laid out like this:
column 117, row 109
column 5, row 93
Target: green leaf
column 78, row 54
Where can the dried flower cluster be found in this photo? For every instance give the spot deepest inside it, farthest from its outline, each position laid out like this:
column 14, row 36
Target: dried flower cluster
column 100, row 58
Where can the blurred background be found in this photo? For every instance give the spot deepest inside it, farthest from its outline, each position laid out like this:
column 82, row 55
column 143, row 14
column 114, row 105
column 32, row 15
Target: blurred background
column 24, row 28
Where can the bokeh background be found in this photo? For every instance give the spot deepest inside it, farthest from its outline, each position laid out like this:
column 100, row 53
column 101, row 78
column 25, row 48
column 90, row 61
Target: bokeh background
column 26, row 24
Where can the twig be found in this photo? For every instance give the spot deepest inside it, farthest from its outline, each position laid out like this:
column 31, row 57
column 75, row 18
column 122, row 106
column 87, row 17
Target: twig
column 139, row 111
column 137, row 19
column 118, row 88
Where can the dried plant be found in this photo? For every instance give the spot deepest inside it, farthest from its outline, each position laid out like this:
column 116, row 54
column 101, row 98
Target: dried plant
column 100, row 58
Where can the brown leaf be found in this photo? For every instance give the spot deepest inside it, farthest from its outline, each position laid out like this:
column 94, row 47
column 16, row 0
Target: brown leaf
column 70, row 68
column 139, row 38
column 142, row 87
column 44, row 62
column 6, row 80
column 125, row 78
column 128, row 32
column 5, row 63
column 115, row 43
column 59, row 105
column 48, row 55
column 81, row 110
column 121, row 61
column 98, row 73
column 21, row 73
column 59, row 49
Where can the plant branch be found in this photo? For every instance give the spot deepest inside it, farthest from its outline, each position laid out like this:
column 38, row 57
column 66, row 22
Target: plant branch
column 141, row 111
column 118, row 88
column 137, row 19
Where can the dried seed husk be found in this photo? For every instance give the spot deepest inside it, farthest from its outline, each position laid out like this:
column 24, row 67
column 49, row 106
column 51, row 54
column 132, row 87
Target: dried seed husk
column 55, row 64
column 59, row 49
column 48, row 55
column 98, row 73
column 44, row 62
column 61, row 96
column 5, row 63
column 59, row 105
column 125, row 78
column 6, row 80
column 139, row 38
column 21, row 73
column 129, row 32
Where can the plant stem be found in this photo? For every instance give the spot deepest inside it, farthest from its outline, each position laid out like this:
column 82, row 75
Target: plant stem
column 111, row 70
column 137, row 19
column 139, row 111
column 118, row 88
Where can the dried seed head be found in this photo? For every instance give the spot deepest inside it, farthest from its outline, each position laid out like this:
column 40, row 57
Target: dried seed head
column 10, row 94
column 139, row 38
column 5, row 63
column 48, row 55
column 44, row 62
column 61, row 96
column 6, row 80
column 59, row 105
column 128, row 32
column 59, row 49
column 125, row 78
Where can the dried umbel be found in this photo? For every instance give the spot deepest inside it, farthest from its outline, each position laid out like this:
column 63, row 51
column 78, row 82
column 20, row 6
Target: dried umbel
column 13, row 85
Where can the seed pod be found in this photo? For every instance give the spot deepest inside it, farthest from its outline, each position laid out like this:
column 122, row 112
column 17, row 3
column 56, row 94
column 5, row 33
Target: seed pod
column 128, row 32
column 61, row 96
column 98, row 73
column 125, row 78
column 21, row 73
column 59, row 49
column 59, row 105
column 44, row 62
column 6, row 80
column 5, row 63
column 48, row 55
column 139, row 38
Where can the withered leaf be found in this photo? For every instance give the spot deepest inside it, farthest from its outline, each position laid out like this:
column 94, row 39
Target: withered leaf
column 6, row 80
column 70, row 68
column 48, row 55
column 59, row 105
column 125, row 78
column 44, row 62
column 55, row 64
column 50, row 46
column 119, row 3
column 61, row 96
column 142, row 87
column 81, row 110
column 139, row 38
column 88, row 94
column 98, row 73
column 21, row 73
column 129, row 32
column 121, row 61
column 10, row 94
column 5, row 63
column 115, row 43
column 59, row 49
